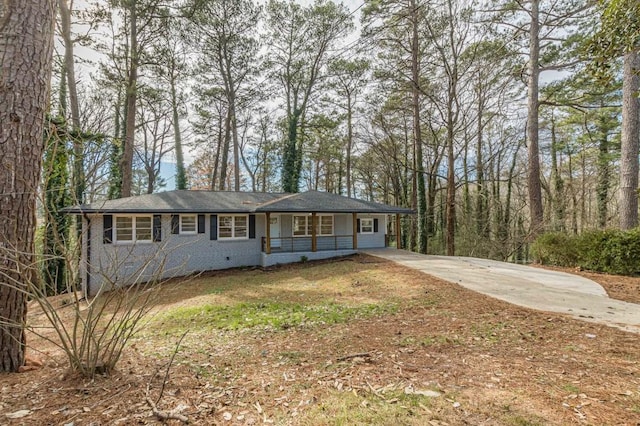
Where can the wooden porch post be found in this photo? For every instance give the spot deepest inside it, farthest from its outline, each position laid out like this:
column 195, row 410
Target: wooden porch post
column 355, row 230
column 314, row 240
column 398, row 238
column 267, row 246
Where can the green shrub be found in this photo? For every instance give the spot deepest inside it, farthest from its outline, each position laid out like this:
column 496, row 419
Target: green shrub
column 611, row 251
column 593, row 249
column 555, row 248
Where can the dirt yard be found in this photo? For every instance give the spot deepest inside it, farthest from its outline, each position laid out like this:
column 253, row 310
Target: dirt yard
column 355, row 341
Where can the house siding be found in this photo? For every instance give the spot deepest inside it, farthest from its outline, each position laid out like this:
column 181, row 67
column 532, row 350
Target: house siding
column 375, row 240
column 118, row 264
column 176, row 255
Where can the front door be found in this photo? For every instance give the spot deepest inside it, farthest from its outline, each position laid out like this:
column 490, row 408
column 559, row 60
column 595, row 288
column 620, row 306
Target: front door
column 274, row 231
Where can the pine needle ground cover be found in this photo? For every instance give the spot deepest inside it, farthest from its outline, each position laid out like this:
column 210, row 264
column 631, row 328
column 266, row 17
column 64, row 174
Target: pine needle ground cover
column 353, row 341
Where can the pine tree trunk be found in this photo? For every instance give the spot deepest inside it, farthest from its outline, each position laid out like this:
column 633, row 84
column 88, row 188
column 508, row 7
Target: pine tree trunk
column 535, row 191
column 289, row 179
column 181, row 177
column 557, row 197
column 236, row 144
column 604, row 175
column 69, row 67
column 126, row 163
column 349, row 143
column 421, row 199
column 482, row 209
column 26, row 46
column 629, row 148
column 224, row 152
column 451, row 191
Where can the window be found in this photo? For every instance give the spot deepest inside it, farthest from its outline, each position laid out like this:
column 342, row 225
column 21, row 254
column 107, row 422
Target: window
column 133, row 228
column 233, row 226
column 326, row 225
column 366, row 226
column 302, row 225
column 188, row 223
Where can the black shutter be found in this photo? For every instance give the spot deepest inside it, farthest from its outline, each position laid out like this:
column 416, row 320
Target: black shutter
column 375, row 225
column 213, row 231
column 358, row 226
column 252, row 226
column 157, row 228
column 175, row 224
column 200, row 224
column 107, row 226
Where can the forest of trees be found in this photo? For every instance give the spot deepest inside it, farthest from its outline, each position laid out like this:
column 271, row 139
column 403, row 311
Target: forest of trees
column 489, row 119
column 494, row 120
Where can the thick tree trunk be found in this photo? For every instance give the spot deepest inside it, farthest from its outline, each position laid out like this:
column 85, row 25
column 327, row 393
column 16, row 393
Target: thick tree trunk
column 534, row 188
column 126, row 163
column 629, row 148
column 26, row 46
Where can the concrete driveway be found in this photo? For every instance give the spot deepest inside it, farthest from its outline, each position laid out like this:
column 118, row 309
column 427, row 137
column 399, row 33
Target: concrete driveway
column 526, row 286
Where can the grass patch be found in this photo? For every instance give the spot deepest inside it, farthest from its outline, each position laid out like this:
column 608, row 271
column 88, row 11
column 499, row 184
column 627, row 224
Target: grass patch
column 490, row 332
column 268, row 315
column 571, row 388
column 426, row 341
column 345, row 408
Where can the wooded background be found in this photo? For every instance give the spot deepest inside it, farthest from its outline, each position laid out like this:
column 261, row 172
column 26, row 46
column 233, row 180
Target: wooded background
column 494, row 120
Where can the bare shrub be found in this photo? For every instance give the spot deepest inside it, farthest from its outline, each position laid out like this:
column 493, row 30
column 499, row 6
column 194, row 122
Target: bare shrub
column 93, row 331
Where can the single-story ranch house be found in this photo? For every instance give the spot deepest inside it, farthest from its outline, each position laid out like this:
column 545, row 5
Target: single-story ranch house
column 180, row 232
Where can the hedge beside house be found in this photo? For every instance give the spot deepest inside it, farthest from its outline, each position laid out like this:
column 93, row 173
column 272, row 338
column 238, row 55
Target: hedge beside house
column 611, row 251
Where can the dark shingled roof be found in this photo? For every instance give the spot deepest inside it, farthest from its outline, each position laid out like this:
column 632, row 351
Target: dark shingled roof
column 324, row 202
column 186, row 201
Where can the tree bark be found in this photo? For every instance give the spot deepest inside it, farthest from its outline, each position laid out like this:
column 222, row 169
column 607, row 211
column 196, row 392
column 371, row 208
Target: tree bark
column 181, row 177
column 604, row 174
column 482, row 207
column 349, row 142
column 224, row 153
column 126, row 163
column 534, row 187
column 629, row 148
column 451, row 189
column 557, row 196
column 69, row 67
column 26, row 46
column 417, row 132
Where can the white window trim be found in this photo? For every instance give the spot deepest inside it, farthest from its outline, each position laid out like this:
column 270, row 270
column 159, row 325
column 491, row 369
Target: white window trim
column 306, row 227
column 195, row 221
column 233, row 227
column 134, row 229
column 362, row 219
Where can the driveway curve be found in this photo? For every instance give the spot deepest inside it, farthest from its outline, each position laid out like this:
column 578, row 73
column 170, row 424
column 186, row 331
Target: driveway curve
column 534, row 288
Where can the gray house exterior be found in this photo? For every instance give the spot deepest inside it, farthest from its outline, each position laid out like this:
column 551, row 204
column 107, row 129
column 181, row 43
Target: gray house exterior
column 176, row 233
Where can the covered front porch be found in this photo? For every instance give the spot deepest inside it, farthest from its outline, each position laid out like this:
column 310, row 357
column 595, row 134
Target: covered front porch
column 292, row 237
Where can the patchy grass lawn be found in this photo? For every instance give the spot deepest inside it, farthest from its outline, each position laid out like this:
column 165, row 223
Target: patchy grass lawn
column 348, row 342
